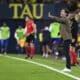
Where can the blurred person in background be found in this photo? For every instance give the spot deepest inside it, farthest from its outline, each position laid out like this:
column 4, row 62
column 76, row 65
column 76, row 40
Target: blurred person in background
column 29, row 33
column 19, row 36
column 5, row 35
column 78, row 44
column 46, row 41
column 74, row 60
column 74, row 30
column 55, row 38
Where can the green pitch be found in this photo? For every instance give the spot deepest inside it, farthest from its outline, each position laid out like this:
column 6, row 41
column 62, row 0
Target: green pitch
column 12, row 69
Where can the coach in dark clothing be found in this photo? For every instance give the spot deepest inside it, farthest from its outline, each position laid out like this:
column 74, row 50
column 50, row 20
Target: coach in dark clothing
column 65, row 31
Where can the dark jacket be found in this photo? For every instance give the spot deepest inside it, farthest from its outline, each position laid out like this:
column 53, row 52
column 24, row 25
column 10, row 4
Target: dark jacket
column 74, row 28
column 46, row 35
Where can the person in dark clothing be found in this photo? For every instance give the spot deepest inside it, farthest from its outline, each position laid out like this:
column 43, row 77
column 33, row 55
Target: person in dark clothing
column 46, row 37
column 74, row 31
column 65, row 31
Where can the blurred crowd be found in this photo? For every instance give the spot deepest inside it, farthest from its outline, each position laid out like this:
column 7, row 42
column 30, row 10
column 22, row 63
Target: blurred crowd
column 40, row 1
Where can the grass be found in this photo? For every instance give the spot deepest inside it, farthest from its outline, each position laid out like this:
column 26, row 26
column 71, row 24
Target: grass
column 11, row 69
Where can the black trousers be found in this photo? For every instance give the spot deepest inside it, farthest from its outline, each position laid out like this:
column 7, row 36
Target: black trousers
column 66, row 52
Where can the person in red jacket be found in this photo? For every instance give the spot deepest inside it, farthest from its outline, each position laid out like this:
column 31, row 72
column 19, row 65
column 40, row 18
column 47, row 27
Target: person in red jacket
column 29, row 33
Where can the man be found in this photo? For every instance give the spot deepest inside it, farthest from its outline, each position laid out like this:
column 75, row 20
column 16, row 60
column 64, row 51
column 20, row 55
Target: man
column 29, row 32
column 19, row 35
column 65, row 31
column 5, row 34
column 46, row 40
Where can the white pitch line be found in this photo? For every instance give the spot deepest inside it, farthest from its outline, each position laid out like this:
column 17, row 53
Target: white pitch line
column 45, row 66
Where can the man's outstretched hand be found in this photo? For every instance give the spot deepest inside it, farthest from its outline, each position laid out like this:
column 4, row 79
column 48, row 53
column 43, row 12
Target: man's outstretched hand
column 50, row 16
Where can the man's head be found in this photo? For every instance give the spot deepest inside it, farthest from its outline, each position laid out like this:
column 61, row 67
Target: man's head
column 20, row 26
column 64, row 12
column 27, row 18
column 4, row 24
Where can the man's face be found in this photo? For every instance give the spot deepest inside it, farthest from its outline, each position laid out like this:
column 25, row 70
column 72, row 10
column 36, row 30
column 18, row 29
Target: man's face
column 27, row 19
column 63, row 13
column 4, row 24
column 20, row 27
